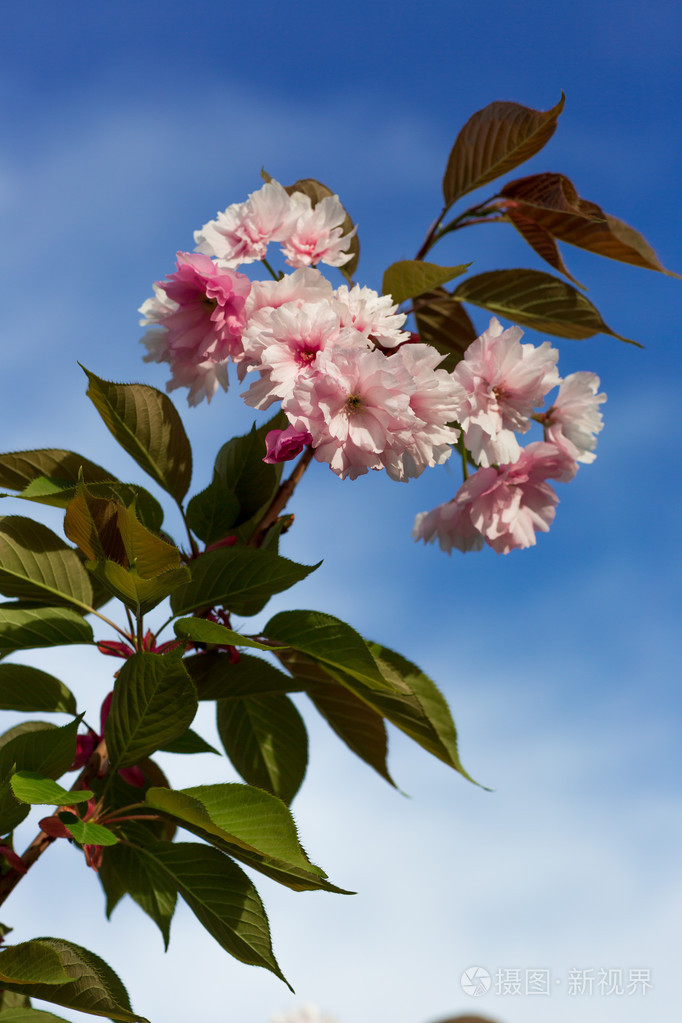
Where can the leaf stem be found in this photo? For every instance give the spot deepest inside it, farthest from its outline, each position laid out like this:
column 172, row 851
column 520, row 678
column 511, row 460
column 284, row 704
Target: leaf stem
column 192, row 541
column 279, row 501
column 272, row 273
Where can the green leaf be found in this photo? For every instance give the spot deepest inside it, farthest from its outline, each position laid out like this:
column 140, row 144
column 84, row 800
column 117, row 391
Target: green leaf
column 146, row 424
column 30, row 689
column 91, row 985
column 443, row 322
column 242, row 579
column 154, row 703
column 357, row 724
column 188, row 743
column 23, row 628
column 316, row 191
column 92, row 524
column 31, row 962
column 58, row 493
column 536, row 300
column 19, row 468
column 34, row 788
column 411, row 277
column 266, row 741
column 43, row 749
column 328, row 640
column 249, row 824
column 87, row 833
column 200, row 630
column 28, row 1015
column 128, row 869
column 36, row 565
column 138, row 593
column 493, row 141
column 217, row 677
column 222, row 898
column 212, row 513
column 10, row 1000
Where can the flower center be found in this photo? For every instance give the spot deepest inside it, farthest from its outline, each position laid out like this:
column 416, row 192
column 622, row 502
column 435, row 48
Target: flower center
column 306, row 356
column 353, row 404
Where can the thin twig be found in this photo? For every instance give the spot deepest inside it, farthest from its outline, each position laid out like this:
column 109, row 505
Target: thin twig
column 279, row 501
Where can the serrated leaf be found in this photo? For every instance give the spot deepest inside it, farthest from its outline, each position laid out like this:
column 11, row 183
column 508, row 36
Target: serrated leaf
column 200, row 630
column 189, row 743
column 24, row 628
column 154, row 702
column 92, row 986
column 146, row 424
column 86, row 832
column 541, row 241
column 493, row 141
column 45, row 750
column 357, row 724
column 217, row 677
column 92, row 524
column 443, row 322
column 222, row 898
column 20, row 1014
column 31, row 962
column 138, row 593
column 239, row 466
column 537, row 300
column 316, row 191
column 328, row 640
column 30, row 689
column 411, row 277
column 127, row 869
column 266, row 741
column 212, row 512
column 19, row 468
column 249, row 824
column 37, row 789
column 36, row 565
column 238, row 578
column 59, row 493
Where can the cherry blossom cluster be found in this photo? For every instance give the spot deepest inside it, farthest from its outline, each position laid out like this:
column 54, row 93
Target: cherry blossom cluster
column 352, row 383
column 500, row 385
column 357, row 388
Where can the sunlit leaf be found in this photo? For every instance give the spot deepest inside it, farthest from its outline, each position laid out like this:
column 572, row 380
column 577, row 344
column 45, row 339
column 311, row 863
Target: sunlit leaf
column 31, row 787
column 200, row 630
column 59, row 493
column 19, row 468
column 36, row 565
column 146, row 424
column 411, row 277
column 22, row 628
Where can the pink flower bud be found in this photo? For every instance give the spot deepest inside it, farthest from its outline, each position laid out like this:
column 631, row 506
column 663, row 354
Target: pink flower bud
column 283, row 445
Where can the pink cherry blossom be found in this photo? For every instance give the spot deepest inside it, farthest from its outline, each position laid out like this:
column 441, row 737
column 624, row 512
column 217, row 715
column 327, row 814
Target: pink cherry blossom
column 372, row 314
column 509, row 504
column 317, row 234
column 500, row 383
column 196, row 318
column 574, row 419
column 283, row 445
column 242, row 232
column 449, row 524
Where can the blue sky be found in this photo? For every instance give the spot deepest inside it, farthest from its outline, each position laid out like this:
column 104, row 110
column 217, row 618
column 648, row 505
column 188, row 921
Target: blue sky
column 126, row 126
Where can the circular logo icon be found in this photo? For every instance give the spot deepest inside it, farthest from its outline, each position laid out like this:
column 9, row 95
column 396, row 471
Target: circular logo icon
column 475, row 981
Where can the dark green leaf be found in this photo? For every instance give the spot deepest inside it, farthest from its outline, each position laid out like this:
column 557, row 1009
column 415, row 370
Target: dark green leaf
column 92, row 986
column 222, row 898
column 443, row 322
column 536, row 300
column 218, row 678
column 137, row 592
column 240, row 468
column 34, row 788
column 22, row 628
column 334, row 644
column 127, row 869
column 30, row 689
column 36, row 565
column 31, row 962
column 59, row 493
column 212, row 513
column 266, row 741
column 43, row 749
column 154, row 703
column 200, row 630
column 493, row 141
column 146, row 424
column 188, row 743
column 411, row 277
column 28, row 1015
column 19, row 468
column 238, row 578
